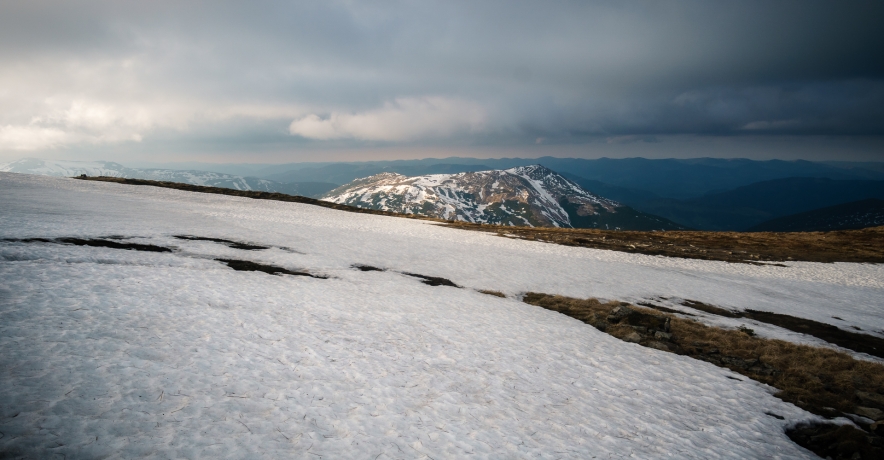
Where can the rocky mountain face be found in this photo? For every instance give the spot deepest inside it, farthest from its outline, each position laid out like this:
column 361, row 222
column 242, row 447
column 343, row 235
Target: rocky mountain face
column 523, row 196
column 61, row 168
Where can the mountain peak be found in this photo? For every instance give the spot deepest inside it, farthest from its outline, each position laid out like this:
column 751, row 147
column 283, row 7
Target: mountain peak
column 523, row 196
column 531, row 169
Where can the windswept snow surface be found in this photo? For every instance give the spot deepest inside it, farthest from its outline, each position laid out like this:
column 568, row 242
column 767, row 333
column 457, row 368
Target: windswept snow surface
column 109, row 352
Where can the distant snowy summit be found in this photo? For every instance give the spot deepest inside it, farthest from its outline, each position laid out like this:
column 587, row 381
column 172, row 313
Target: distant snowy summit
column 61, row 168
column 525, row 196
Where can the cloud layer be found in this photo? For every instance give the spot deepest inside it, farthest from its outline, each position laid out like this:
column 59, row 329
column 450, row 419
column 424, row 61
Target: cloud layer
column 401, row 120
column 300, row 75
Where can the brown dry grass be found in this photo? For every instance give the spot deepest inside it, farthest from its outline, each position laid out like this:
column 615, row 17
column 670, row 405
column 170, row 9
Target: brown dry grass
column 819, row 380
column 863, row 343
column 810, row 377
column 866, row 245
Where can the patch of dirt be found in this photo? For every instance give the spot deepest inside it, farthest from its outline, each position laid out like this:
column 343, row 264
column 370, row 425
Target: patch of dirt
column 664, row 309
column 433, row 280
column 429, row 280
column 228, row 243
column 248, row 266
column 116, row 237
column 367, row 268
column 95, row 242
column 762, row 248
column 862, row 343
column 29, row 240
column 838, row 442
column 711, row 309
column 494, row 293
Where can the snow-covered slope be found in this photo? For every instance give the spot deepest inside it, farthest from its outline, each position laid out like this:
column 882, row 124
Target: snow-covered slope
column 118, row 353
column 528, row 195
column 61, row 168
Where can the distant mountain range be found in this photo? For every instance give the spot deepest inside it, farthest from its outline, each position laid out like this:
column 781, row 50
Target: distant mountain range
column 667, row 178
column 60, row 168
column 749, row 205
column 847, row 216
column 524, row 196
column 702, row 193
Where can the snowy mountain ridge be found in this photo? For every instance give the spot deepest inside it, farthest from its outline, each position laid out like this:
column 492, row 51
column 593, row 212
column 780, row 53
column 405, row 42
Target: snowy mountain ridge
column 63, row 168
column 523, row 196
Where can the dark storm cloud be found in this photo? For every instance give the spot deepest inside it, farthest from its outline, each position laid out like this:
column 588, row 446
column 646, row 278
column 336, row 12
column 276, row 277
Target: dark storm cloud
column 391, row 72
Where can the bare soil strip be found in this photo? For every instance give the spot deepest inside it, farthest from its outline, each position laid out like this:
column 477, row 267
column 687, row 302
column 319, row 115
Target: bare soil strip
column 248, row 266
column 228, row 243
column 664, row 309
column 819, row 380
column 429, row 280
column 240, row 265
column 862, row 343
column 432, row 280
column 367, row 268
column 838, row 442
column 762, row 248
column 94, row 242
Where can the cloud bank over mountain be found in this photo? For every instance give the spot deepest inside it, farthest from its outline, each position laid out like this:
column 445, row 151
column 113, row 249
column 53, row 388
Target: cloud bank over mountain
column 193, row 78
column 404, row 119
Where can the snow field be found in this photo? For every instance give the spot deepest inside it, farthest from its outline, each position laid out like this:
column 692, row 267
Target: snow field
column 199, row 361
column 126, row 354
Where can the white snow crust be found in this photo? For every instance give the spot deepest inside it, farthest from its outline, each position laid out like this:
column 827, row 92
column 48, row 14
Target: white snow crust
column 124, row 354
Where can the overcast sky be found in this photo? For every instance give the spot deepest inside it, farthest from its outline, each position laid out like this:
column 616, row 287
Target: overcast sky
column 265, row 81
